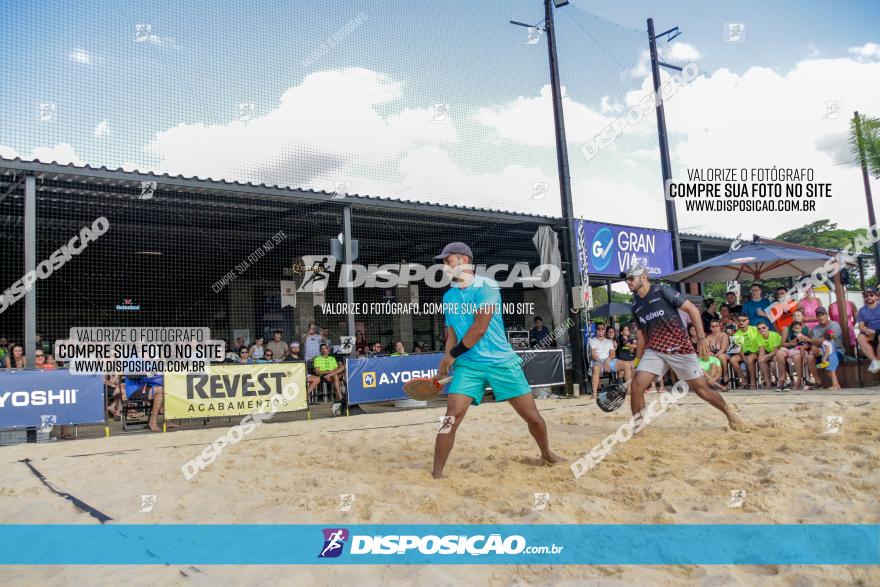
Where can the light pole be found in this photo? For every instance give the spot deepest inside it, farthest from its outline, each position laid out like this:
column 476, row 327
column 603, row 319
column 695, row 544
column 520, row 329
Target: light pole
column 570, row 242
column 665, row 165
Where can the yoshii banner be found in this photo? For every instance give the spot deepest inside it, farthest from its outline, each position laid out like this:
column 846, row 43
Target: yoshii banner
column 236, row 390
column 379, row 379
column 42, row 399
column 611, row 248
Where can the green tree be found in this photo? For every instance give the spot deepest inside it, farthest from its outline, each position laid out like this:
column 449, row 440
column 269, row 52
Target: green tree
column 600, row 298
column 825, row 235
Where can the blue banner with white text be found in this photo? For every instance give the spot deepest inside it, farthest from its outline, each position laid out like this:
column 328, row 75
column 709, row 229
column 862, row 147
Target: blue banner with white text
column 610, row 248
column 42, row 399
column 494, row 544
column 379, row 379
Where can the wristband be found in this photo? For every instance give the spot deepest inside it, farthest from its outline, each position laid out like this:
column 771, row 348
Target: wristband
column 636, row 362
column 459, row 350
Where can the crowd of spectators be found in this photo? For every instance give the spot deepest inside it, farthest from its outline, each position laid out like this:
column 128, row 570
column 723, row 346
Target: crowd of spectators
column 749, row 350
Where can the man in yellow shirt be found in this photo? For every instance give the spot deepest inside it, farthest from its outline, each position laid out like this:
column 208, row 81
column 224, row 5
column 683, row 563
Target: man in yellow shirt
column 746, row 338
column 768, row 342
column 326, row 368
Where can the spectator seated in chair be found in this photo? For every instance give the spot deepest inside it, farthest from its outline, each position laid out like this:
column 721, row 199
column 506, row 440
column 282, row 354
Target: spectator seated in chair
column 711, row 366
column 868, row 319
column 152, row 386
column 603, row 360
column 768, row 343
column 745, row 340
column 327, row 369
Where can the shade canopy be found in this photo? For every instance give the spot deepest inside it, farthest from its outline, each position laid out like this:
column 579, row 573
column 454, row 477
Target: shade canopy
column 753, row 261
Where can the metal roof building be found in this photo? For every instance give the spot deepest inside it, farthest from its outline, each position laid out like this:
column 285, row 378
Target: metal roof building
column 172, row 239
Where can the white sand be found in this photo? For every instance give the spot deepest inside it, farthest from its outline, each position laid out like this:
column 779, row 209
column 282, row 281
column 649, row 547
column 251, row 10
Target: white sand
column 680, row 471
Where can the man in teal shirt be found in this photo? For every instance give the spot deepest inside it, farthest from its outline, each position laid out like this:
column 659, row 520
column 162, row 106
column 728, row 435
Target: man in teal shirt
column 477, row 344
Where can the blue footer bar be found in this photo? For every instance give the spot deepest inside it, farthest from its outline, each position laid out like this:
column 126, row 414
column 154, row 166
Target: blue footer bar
column 622, row 544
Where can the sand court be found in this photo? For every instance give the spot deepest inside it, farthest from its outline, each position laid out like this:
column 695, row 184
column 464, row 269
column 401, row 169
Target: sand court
column 687, row 468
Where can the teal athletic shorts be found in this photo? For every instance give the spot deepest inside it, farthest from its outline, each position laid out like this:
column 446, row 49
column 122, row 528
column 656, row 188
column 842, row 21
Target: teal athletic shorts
column 506, row 382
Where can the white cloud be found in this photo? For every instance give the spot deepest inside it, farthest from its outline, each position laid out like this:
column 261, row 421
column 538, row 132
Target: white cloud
column 80, row 56
column 762, row 118
column 678, row 54
column 7, row 152
column 334, row 127
column 866, row 52
column 529, row 120
column 759, row 118
column 62, row 153
column 102, row 130
column 159, row 41
column 326, row 123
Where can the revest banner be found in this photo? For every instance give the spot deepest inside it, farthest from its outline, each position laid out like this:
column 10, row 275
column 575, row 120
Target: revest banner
column 236, row 390
column 42, row 399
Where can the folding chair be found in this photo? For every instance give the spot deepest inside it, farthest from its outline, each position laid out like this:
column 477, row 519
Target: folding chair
column 139, row 404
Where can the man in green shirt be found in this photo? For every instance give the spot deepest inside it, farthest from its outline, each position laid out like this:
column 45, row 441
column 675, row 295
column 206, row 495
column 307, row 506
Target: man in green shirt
column 746, row 338
column 768, row 342
column 711, row 366
column 399, row 350
column 328, row 369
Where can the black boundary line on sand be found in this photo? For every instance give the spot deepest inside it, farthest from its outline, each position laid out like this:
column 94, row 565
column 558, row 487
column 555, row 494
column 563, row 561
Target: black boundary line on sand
column 101, row 517
column 98, row 515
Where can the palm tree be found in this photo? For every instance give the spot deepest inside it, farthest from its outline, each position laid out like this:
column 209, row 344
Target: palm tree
column 864, row 141
column 865, row 145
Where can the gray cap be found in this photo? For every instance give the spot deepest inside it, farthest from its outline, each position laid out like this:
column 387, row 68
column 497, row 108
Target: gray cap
column 454, row 249
column 636, row 268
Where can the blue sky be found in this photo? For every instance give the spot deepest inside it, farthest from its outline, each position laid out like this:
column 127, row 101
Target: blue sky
column 358, row 111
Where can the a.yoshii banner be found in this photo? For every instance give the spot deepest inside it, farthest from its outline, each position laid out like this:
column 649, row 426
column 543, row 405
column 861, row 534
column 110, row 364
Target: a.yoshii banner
column 236, row 390
column 41, row 399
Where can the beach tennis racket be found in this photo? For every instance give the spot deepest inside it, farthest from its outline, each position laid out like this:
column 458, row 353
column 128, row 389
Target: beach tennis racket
column 425, row 388
column 611, row 396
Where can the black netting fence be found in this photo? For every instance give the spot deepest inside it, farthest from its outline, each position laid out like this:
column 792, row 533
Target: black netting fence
column 237, row 261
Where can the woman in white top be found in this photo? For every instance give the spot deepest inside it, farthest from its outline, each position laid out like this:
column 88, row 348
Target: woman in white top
column 258, row 350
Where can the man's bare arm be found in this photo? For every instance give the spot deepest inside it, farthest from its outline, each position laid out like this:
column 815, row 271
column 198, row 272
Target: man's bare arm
column 451, row 339
column 481, row 324
column 640, row 344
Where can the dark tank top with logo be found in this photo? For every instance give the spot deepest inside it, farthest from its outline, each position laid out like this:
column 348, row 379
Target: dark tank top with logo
column 656, row 315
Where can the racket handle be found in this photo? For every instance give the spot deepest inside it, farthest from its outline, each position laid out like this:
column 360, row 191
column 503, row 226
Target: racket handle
column 444, row 381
